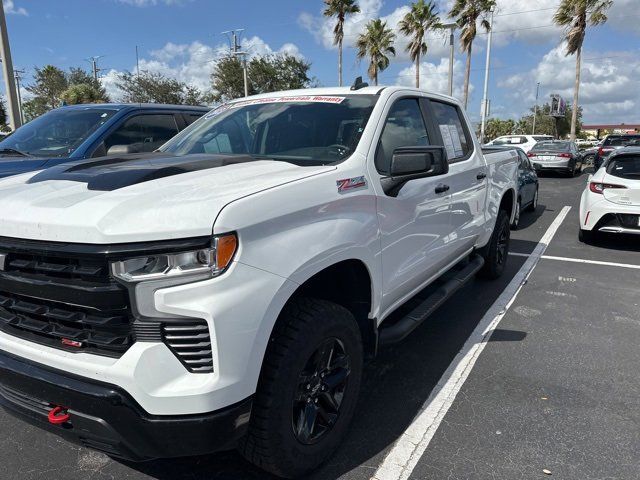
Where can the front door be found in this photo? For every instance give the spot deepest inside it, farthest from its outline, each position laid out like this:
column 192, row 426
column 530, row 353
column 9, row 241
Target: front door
column 415, row 222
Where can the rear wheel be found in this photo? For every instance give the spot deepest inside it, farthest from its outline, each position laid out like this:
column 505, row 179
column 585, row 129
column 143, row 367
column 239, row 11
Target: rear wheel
column 496, row 252
column 586, row 236
column 308, row 388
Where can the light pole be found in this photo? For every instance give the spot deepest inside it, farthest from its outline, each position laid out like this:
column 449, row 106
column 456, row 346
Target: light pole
column 235, row 51
column 535, row 109
column 7, row 70
column 452, row 28
column 485, row 99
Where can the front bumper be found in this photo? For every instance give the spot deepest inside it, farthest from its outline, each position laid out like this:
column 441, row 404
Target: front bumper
column 106, row 418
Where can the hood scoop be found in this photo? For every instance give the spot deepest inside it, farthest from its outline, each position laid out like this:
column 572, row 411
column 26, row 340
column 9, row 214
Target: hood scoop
column 113, row 173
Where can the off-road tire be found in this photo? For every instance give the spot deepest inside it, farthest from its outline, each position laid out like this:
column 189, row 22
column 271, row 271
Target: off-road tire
column 494, row 261
column 271, row 442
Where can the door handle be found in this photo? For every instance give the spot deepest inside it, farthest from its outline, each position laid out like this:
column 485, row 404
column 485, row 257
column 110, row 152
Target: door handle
column 481, row 176
column 442, row 188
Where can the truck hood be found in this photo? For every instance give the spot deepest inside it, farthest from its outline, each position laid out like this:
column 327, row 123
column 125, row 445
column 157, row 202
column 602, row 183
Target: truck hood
column 135, row 197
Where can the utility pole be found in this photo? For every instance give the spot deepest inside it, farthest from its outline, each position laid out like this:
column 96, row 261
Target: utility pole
column 7, row 69
column 535, row 109
column 452, row 28
column 485, row 99
column 94, row 65
column 137, row 63
column 236, row 52
column 17, row 74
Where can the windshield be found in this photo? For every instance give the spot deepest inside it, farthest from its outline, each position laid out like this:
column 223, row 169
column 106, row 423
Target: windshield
column 625, row 166
column 57, row 133
column 552, row 146
column 307, row 130
column 622, row 140
column 509, row 141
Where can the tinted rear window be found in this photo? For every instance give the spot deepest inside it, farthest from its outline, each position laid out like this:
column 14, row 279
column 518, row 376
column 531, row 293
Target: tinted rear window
column 552, row 146
column 622, row 140
column 541, row 139
column 625, row 166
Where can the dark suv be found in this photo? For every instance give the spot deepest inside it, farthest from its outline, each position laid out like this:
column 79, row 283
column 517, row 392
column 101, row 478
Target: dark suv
column 78, row 132
column 611, row 143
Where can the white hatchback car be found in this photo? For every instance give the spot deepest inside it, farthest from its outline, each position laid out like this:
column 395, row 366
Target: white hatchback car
column 611, row 201
column 525, row 142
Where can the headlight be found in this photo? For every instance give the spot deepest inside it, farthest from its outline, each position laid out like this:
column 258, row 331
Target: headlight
column 209, row 262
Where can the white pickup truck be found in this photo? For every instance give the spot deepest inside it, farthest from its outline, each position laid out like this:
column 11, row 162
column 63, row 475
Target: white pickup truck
column 226, row 290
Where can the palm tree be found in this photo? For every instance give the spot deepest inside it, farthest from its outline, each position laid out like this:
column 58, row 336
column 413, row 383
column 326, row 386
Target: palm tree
column 376, row 42
column 422, row 18
column 574, row 15
column 340, row 9
column 466, row 14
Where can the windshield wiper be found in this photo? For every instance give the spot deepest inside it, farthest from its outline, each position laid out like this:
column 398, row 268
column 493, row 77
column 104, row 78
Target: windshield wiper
column 12, row 151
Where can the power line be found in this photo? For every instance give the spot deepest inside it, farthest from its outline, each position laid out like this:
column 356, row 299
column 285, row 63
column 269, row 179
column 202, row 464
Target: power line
column 94, row 65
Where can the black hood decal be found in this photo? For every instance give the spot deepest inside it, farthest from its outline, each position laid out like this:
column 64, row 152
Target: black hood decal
column 112, row 173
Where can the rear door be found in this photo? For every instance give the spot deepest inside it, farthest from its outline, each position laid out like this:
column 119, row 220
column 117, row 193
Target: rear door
column 415, row 225
column 467, row 176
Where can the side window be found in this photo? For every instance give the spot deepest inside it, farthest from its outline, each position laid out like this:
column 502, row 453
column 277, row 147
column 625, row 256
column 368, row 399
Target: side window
column 404, row 127
column 144, row 132
column 524, row 161
column 455, row 138
column 191, row 117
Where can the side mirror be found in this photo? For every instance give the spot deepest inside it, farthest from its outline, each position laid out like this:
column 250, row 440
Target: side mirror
column 123, row 149
column 409, row 163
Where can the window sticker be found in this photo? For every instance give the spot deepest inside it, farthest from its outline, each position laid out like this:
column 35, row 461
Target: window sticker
column 448, row 141
column 259, row 101
column 455, row 137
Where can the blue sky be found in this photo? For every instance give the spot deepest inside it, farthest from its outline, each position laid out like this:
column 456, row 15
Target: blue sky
column 182, row 38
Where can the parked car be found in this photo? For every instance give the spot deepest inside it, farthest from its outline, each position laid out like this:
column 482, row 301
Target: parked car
column 611, row 143
column 227, row 289
column 525, row 142
column 611, row 201
column 556, row 156
column 77, row 132
column 589, row 154
column 528, row 186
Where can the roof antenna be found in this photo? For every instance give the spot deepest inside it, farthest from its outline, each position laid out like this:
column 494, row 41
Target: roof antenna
column 358, row 84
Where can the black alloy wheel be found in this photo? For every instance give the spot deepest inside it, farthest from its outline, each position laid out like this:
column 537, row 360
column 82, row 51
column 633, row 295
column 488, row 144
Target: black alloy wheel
column 321, row 387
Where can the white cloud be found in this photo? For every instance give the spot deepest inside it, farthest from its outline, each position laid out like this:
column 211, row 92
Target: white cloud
column 9, row 7
column 435, row 77
column 609, row 87
column 192, row 63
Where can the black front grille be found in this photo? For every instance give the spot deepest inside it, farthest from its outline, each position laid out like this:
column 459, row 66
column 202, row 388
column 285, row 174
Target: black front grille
column 63, row 299
column 63, row 296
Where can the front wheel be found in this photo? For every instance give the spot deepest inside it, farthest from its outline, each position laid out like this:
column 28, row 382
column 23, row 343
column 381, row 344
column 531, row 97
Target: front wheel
column 496, row 252
column 307, row 390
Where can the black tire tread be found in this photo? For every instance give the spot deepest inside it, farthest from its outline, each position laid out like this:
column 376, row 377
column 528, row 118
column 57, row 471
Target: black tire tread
column 297, row 318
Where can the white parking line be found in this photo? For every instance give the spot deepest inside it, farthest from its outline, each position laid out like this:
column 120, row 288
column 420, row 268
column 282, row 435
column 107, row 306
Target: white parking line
column 408, row 449
column 580, row 260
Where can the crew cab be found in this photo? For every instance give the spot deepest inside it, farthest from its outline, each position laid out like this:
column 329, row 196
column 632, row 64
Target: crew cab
column 226, row 290
column 78, row 132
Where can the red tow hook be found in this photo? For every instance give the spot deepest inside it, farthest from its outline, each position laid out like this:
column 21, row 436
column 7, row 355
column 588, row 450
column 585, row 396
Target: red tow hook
column 58, row 416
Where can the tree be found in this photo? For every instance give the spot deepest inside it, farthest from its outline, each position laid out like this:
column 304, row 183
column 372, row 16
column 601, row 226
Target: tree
column 50, row 83
column 340, row 9
column 376, row 43
column 421, row 19
column 3, row 116
column 153, row 87
column 267, row 73
column 466, row 14
column 575, row 15
column 83, row 93
column 547, row 125
column 496, row 128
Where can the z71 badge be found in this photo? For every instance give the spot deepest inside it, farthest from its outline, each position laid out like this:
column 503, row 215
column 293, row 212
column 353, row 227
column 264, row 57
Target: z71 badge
column 351, row 183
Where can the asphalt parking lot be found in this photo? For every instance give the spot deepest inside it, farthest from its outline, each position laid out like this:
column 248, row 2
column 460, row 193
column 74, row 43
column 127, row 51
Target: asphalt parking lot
column 547, row 386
